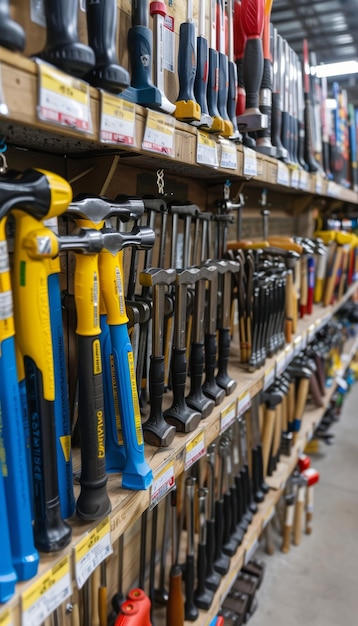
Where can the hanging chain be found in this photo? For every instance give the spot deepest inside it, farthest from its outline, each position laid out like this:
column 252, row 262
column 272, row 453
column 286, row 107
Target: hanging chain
column 160, row 181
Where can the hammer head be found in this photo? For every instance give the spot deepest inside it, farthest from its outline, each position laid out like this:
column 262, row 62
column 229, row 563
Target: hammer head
column 311, row 476
column 99, row 208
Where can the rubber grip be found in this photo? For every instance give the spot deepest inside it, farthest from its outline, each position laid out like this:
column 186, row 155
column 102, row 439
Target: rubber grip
column 266, row 84
column 140, row 45
column 223, row 85
column 93, row 502
column 223, row 354
column 210, row 553
column 227, row 517
column 213, row 83
column 201, row 75
column 201, row 567
column 232, row 92
column 101, row 19
column 210, row 358
column 14, row 467
column 186, row 62
column 140, row 13
column 252, row 68
column 285, row 131
column 51, row 533
column 178, row 375
column 276, row 120
column 219, row 528
column 197, row 359
column 190, row 610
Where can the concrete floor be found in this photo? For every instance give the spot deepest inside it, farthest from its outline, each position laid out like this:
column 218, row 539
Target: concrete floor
column 316, row 583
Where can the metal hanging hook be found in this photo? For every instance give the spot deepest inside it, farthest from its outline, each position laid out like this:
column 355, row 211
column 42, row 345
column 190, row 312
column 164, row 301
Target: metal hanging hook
column 3, row 163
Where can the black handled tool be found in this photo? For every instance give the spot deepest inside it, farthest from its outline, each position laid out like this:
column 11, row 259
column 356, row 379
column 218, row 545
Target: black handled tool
column 212, row 578
column 223, row 379
column 221, row 560
column 12, row 36
column 191, row 610
column 203, row 596
column 175, row 605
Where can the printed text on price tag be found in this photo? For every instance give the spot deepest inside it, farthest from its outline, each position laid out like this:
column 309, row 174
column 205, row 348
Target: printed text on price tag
column 228, row 157
column 250, row 162
column 91, row 551
column 194, row 450
column 117, row 123
column 46, row 594
column 244, row 403
column 228, row 416
column 63, row 99
column 163, row 482
column 159, row 133
column 5, row 619
column 206, row 150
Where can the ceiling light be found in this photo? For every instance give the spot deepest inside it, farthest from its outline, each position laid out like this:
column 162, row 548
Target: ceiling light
column 335, row 69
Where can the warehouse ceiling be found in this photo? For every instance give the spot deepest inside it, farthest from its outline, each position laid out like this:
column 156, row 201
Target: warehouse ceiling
column 330, row 27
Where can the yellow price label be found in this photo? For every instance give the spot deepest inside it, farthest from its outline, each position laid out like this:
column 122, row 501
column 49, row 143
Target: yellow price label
column 159, row 133
column 117, row 123
column 194, row 450
column 47, row 593
column 5, row 618
column 86, row 544
column 205, row 140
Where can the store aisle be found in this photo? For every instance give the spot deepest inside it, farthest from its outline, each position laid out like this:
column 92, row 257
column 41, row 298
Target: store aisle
column 316, row 583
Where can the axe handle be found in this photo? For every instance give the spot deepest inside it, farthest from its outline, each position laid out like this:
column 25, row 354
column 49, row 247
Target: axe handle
column 301, row 398
column 268, row 430
column 331, row 280
column 297, row 522
column 287, row 528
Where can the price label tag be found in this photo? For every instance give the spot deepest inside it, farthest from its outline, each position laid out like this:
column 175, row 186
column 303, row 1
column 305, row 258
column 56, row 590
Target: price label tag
column 281, row 364
column 206, row 150
column 194, row 450
column 289, row 354
column 63, row 99
column 159, row 133
column 91, row 551
column 283, row 174
column 228, row 155
column 5, row 619
column 244, row 403
column 117, row 124
column 319, row 184
column 295, row 178
column 162, row 484
column 3, row 106
column 46, row 594
column 297, row 345
column 268, row 516
column 228, row 416
column 311, row 331
column 304, row 180
column 332, row 189
column 250, row 162
column 269, row 376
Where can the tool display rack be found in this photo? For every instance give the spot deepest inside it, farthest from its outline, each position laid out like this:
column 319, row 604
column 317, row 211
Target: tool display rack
column 74, row 155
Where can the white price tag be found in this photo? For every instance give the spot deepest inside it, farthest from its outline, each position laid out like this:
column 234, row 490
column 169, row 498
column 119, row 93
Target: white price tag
column 281, row 364
column 169, row 44
column 162, row 484
column 5, row 619
column 297, row 345
column 91, row 551
column 228, row 155
column 117, row 124
column 206, row 150
column 332, row 189
column 250, row 162
column 3, row 106
column 228, row 416
column 269, row 376
column 295, row 178
column 244, row 403
column 6, row 307
column 159, row 133
column 311, row 331
column 304, row 180
column 46, row 594
column 283, row 174
column 289, row 354
column 63, row 99
column 194, row 450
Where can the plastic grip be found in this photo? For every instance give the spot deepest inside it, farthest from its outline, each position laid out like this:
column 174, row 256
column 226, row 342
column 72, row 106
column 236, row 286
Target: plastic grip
column 16, row 481
column 212, row 578
column 197, row 359
column 191, row 611
column 186, row 62
column 227, row 516
column 252, row 72
column 219, row 528
column 140, row 45
column 50, row 532
column 285, row 130
column 201, row 76
column 223, row 85
column 213, row 83
column 101, row 26
column 93, row 502
column 232, row 91
column 276, row 120
column 210, row 358
column 62, row 409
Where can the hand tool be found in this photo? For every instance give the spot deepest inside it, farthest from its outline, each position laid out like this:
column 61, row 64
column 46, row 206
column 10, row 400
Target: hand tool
column 263, row 137
column 289, row 512
column 250, row 506
column 190, row 609
column 12, row 35
column 230, row 541
column 13, row 463
column 293, row 107
column 160, row 592
column 135, row 610
column 277, row 94
column 239, row 47
column 210, row 386
column 312, row 477
column 300, row 116
column 243, row 516
column 252, row 12
column 119, row 597
column 272, row 399
column 180, row 414
column 153, row 549
column 158, row 11
column 255, row 567
column 201, row 74
column 45, row 195
column 63, row 48
column 300, row 482
column 218, row 125
column 257, row 466
column 8, row 576
column 284, row 67
column 326, row 126
column 102, row 596
column 187, row 108
column 196, row 398
column 232, row 73
column 140, row 40
column 234, row 528
column 203, row 596
column 217, row 621
column 315, row 84
column 223, row 69
column 212, row 578
column 175, row 605
column 308, row 145
column 223, row 378
column 156, row 430
column 102, row 22
column 221, row 560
